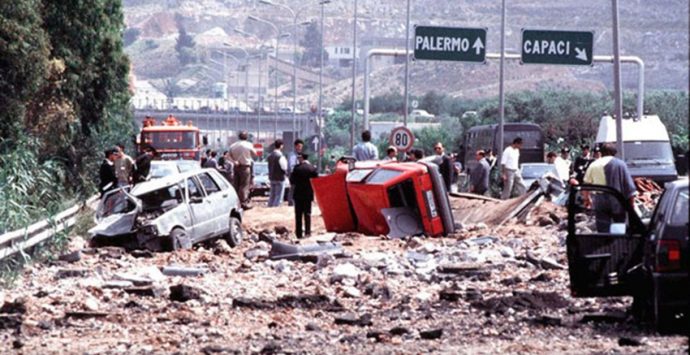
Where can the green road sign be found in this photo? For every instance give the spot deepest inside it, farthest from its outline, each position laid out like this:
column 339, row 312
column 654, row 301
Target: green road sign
column 450, row 43
column 557, row 47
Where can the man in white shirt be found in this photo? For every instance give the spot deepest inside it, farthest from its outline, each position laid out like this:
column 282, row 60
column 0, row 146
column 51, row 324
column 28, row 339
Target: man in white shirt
column 510, row 172
column 365, row 150
column 563, row 164
column 242, row 154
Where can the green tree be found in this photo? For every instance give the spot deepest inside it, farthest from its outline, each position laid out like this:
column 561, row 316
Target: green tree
column 87, row 37
column 23, row 61
column 185, row 46
column 432, row 102
column 312, row 46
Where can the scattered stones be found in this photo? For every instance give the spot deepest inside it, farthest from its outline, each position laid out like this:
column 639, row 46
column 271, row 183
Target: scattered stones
column 145, row 291
column 353, row 319
column 534, row 300
column 399, row 331
column 183, row 271
column 85, row 314
column 625, row 341
column 184, row 293
column 511, row 281
column 312, row 327
column 281, row 230
column 431, row 334
column 72, row 257
column 221, row 247
column 609, row 317
column 139, row 253
column 547, row 320
column 351, row 292
column 344, row 271
column 67, row 273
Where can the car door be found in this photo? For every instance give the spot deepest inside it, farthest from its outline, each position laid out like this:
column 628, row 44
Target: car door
column 604, row 244
column 220, row 207
column 202, row 218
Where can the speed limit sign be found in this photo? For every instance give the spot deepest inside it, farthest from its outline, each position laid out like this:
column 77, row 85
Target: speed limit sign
column 401, row 138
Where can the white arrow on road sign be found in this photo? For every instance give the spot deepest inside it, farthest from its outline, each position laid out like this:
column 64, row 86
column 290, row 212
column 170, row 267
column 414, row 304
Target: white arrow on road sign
column 315, row 142
column 478, row 45
column 581, row 54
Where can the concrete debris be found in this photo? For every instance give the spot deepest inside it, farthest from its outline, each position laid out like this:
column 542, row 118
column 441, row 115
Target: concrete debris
column 72, row 257
column 485, row 289
column 183, row 271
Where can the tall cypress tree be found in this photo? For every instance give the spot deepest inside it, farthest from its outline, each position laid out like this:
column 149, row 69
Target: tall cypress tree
column 23, row 61
column 87, row 36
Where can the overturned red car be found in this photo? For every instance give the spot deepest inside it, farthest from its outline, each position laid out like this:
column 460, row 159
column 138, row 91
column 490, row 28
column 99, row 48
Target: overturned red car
column 384, row 198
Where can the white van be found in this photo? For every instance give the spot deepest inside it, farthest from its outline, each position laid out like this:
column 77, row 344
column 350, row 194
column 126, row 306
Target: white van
column 647, row 146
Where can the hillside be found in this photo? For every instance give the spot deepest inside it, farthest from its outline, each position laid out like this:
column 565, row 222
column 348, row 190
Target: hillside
column 656, row 31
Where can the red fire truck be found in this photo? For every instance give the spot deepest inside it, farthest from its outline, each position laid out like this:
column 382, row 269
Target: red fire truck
column 171, row 139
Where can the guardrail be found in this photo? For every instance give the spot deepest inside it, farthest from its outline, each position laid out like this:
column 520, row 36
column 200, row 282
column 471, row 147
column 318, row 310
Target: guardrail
column 24, row 238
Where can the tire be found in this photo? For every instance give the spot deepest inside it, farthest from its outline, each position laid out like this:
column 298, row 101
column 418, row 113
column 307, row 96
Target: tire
column 235, row 234
column 179, row 239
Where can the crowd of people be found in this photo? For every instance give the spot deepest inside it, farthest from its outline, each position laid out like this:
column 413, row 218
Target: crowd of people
column 593, row 166
column 119, row 169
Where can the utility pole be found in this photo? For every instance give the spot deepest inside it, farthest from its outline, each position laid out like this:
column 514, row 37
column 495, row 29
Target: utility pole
column 618, row 94
column 501, row 92
column 319, row 119
column 354, row 78
column 407, row 66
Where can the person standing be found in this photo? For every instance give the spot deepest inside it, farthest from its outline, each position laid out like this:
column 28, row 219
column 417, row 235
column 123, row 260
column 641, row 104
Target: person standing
column 581, row 164
column 124, row 167
column 445, row 166
column 227, row 168
column 211, row 162
column 365, row 150
column 106, row 173
column 242, row 154
column 479, row 174
column 143, row 164
column 304, row 194
column 510, row 172
column 277, row 171
column 562, row 164
column 391, row 154
column 612, row 172
column 298, row 146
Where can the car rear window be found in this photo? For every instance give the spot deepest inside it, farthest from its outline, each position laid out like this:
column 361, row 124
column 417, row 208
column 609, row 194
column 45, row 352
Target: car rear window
column 680, row 209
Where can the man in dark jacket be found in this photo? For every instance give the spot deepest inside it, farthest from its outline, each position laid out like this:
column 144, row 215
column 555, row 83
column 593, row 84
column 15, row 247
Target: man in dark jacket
column 107, row 172
column 304, row 195
column 143, row 163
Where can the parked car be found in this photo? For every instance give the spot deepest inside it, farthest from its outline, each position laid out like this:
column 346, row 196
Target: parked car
column 162, row 168
column 415, row 114
column 262, row 185
column 170, row 213
column 611, row 252
column 532, row 172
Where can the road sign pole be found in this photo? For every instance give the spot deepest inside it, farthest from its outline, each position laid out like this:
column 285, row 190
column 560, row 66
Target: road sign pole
column 407, row 66
column 617, row 81
column 501, row 93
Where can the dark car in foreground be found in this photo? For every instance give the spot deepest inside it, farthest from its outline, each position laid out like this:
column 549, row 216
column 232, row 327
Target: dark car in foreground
column 611, row 252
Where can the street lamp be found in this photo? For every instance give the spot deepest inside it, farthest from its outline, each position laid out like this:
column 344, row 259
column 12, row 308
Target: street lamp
column 407, row 65
column 245, row 67
column 260, row 103
column 320, row 118
column 294, row 15
column 354, row 77
column 275, row 69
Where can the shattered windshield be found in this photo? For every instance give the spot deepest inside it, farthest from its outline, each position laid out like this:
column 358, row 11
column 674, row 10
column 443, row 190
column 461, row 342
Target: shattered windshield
column 115, row 203
column 155, row 199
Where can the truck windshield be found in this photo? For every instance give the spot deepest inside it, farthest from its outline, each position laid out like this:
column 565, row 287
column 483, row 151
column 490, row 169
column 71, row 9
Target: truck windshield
column 170, row 139
column 655, row 151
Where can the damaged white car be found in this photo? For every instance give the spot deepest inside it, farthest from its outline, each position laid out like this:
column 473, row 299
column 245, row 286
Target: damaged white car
column 170, row 213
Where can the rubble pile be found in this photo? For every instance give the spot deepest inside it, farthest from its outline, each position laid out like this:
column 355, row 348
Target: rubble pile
column 489, row 289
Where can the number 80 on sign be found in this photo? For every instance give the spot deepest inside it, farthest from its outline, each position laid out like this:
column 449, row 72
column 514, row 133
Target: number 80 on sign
column 401, row 138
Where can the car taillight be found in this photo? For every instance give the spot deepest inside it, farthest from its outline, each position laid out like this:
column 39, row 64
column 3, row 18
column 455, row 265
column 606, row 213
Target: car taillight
column 668, row 256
